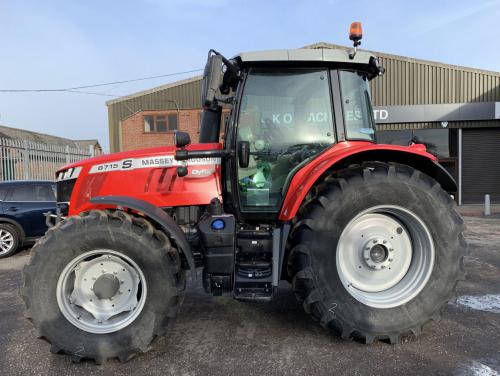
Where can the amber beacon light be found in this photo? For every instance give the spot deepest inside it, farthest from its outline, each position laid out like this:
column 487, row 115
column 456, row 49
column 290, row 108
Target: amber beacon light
column 356, row 33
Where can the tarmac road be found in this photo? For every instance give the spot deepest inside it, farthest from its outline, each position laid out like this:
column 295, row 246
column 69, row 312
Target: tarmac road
column 215, row 336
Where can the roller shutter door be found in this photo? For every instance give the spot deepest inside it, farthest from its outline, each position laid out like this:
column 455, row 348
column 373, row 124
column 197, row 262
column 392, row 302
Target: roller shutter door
column 481, row 165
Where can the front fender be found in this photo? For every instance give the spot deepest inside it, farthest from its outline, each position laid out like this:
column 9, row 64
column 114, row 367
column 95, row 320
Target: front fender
column 344, row 154
column 157, row 215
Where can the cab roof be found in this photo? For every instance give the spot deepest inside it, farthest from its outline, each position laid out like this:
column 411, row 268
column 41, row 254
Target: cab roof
column 305, row 55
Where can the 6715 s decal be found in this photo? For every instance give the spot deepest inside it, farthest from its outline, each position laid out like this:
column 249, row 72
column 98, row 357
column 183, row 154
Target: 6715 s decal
column 148, row 162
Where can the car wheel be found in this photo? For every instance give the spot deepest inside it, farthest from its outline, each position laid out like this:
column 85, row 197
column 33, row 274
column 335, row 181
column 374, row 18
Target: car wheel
column 9, row 240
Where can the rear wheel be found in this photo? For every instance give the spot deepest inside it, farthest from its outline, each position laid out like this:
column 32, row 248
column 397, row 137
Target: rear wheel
column 9, row 240
column 376, row 252
column 103, row 285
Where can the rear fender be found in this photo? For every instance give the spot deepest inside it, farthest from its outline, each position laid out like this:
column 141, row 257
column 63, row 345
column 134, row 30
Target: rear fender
column 158, row 216
column 345, row 154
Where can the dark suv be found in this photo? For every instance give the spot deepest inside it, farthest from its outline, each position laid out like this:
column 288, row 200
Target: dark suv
column 22, row 204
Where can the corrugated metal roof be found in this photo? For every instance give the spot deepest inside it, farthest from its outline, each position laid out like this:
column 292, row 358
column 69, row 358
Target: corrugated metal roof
column 153, row 90
column 23, row 134
column 403, row 58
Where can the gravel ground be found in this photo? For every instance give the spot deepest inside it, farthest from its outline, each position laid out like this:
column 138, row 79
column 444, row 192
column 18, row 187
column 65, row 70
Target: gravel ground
column 216, row 336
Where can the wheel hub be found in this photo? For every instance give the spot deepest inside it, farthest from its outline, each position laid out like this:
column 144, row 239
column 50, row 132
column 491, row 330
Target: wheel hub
column 101, row 291
column 106, row 286
column 378, row 253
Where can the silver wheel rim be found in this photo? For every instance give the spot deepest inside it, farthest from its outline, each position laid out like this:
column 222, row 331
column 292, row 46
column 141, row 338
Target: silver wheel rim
column 101, row 291
column 385, row 256
column 6, row 241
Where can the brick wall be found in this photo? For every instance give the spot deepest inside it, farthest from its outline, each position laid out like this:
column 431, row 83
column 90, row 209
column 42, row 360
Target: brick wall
column 133, row 136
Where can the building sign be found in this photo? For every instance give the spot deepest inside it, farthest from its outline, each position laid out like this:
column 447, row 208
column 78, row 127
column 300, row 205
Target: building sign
column 437, row 112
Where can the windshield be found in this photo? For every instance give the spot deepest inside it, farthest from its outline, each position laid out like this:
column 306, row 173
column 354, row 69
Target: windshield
column 356, row 102
column 286, row 117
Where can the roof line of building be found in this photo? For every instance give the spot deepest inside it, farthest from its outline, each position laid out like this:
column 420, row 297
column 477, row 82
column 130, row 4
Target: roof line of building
column 153, row 90
column 312, row 46
column 405, row 58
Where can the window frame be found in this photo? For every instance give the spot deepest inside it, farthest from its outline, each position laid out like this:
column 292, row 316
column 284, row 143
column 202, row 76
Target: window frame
column 370, row 110
column 166, row 121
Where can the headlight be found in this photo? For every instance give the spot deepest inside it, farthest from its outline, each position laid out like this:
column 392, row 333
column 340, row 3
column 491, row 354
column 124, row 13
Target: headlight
column 70, row 173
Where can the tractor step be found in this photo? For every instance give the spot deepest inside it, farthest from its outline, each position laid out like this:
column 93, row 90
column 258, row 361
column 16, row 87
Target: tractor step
column 253, row 275
column 263, row 292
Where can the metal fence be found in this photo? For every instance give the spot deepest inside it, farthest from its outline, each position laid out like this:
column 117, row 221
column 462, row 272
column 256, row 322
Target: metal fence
column 23, row 160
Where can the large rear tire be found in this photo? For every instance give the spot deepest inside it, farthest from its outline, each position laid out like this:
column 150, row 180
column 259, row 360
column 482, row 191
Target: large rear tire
column 376, row 252
column 103, row 285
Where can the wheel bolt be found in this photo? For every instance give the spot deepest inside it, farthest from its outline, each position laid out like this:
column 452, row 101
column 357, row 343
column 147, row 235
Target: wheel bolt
column 390, row 259
column 391, row 250
column 375, row 241
column 367, row 258
column 385, row 241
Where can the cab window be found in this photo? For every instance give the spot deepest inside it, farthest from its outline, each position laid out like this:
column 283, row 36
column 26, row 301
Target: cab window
column 356, row 103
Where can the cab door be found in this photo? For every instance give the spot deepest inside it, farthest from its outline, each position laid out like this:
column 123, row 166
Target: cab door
column 286, row 117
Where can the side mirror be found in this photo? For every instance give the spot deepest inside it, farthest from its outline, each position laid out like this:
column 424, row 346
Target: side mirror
column 181, row 139
column 243, row 153
column 211, row 80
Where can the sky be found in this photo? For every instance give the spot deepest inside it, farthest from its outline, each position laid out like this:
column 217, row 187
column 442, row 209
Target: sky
column 60, row 44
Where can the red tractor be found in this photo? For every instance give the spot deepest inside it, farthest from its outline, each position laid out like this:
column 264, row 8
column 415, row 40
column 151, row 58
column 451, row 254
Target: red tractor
column 297, row 189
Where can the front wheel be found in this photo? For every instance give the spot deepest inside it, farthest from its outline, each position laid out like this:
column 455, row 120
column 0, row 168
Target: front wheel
column 103, row 285
column 376, row 252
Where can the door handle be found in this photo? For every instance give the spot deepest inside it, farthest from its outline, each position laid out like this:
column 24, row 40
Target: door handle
column 13, row 208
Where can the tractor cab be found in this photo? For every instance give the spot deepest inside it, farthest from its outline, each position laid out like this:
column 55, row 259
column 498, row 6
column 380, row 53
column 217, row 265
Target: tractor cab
column 286, row 108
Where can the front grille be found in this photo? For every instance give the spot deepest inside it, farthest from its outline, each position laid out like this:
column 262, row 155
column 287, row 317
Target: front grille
column 64, row 190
